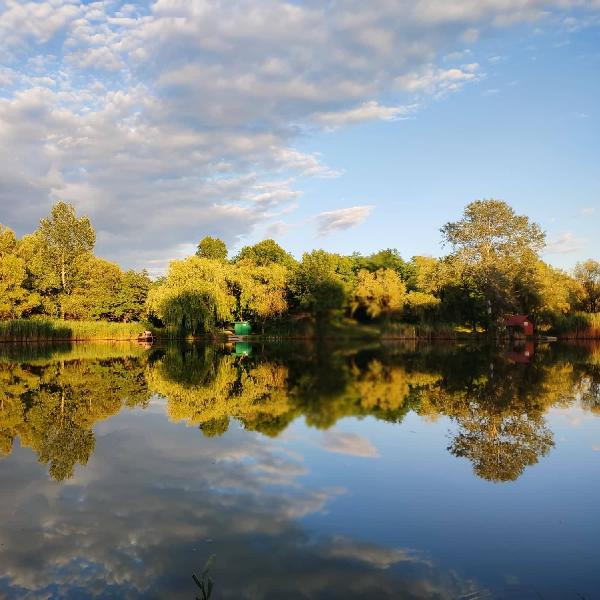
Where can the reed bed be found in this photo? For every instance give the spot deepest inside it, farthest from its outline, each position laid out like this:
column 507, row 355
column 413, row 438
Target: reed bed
column 578, row 326
column 38, row 330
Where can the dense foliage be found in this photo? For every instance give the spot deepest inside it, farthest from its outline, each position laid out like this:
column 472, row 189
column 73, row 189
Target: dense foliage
column 53, row 273
column 494, row 268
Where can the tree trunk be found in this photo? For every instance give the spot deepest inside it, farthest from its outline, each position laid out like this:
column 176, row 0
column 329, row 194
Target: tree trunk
column 63, row 277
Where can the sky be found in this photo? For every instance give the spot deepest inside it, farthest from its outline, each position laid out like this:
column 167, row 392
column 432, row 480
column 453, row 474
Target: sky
column 339, row 124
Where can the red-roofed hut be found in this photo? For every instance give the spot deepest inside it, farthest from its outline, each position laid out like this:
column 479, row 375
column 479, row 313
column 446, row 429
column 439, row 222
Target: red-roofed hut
column 518, row 324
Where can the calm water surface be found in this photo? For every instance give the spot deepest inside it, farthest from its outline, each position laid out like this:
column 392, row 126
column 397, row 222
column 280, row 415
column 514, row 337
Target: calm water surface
column 307, row 471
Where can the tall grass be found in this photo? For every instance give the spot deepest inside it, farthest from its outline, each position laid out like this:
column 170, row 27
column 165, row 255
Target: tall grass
column 36, row 330
column 577, row 326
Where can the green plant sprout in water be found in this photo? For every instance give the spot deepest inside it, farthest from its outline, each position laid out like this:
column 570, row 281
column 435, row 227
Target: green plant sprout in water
column 204, row 582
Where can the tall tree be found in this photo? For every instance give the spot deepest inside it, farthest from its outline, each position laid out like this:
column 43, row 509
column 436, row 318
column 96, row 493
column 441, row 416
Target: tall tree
column 66, row 238
column 493, row 243
column 213, row 248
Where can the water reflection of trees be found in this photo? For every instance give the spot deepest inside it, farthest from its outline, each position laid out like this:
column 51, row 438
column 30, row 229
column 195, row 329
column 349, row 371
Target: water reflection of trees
column 52, row 406
column 498, row 406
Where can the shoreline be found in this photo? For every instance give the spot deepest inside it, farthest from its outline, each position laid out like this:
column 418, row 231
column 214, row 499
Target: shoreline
column 283, row 338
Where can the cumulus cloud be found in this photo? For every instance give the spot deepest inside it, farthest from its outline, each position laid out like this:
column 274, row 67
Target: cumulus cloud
column 240, row 497
column 173, row 119
column 341, row 218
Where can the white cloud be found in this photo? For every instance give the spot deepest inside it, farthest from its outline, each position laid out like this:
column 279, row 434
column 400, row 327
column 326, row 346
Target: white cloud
column 588, row 211
column 432, row 80
column 368, row 111
column 565, row 244
column 342, row 218
column 377, row 556
column 348, row 443
column 170, row 120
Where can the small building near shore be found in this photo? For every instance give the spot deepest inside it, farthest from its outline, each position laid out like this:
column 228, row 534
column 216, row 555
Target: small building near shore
column 519, row 325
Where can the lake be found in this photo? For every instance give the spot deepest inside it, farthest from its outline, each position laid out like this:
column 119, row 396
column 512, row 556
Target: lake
column 306, row 470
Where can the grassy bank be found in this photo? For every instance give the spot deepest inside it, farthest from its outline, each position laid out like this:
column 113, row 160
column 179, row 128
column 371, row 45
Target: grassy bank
column 37, row 330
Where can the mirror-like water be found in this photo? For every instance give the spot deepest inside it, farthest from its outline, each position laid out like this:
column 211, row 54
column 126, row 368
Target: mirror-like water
column 308, row 471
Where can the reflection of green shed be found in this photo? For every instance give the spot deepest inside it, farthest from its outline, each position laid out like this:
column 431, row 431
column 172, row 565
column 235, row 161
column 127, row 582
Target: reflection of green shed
column 243, row 348
column 242, row 328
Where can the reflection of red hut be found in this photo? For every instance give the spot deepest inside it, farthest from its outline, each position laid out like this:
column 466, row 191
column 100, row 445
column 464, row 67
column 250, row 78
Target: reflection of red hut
column 522, row 355
column 518, row 325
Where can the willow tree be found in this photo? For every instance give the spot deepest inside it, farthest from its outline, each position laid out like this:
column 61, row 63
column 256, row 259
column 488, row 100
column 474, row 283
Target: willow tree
column 194, row 296
column 493, row 243
column 66, row 238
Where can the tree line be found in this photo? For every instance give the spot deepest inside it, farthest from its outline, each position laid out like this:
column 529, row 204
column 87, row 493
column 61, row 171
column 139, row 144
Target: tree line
column 493, row 267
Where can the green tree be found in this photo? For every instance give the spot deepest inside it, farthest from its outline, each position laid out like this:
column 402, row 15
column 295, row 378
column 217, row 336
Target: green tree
column 213, row 248
column 545, row 292
column 130, row 304
column 40, row 278
column 320, row 285
column 194, row 297
column 384, row 259
column 381, row 293
column 587, row 274
column 260, row 291
column 95, row 290
column 15, row 300
column 8, row 240
column 493, row 243
column 265, row 253
column 66, row 238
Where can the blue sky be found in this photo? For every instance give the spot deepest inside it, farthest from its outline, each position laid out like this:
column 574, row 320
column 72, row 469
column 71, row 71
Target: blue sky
column 347, row 125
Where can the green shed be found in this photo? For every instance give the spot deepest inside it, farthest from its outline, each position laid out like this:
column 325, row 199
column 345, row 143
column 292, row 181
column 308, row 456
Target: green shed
column 242, row 328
